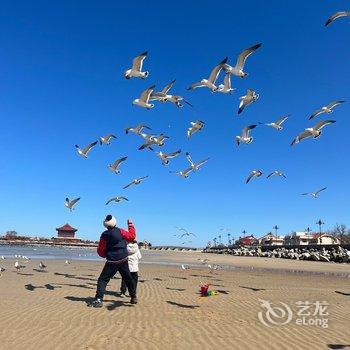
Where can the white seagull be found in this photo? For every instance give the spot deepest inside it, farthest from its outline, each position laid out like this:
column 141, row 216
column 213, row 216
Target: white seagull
column 166, row 156
column 70, row 204
column 210, row 82
column 136, row 181
column 117, row 199
column 143, row 100
column 136, row 70
column 336, row 16
column 238, row 68
column 184, row 173
column 326, row 109
column 18, row 266
column 195, row 166
column 245, row 137
column 114, row 167
column 195, row 126
column 247, row 99
column 314, row 194
column 85, row 151
column 254, row 173
column 226, row 87
column 42, row 267
column 2, row 257
column 154, row 140
column 315, row 131
column 67, row 262
column 276, row 173
column 278, row 123
column 137, row 129
column 106, row 140
column 184, row 267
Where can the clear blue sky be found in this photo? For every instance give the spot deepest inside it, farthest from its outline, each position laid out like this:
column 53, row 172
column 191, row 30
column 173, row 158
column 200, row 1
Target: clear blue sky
column 62, row 83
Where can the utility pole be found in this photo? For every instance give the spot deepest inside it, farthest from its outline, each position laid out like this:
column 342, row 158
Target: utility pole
column 276, row 228
column 320, row 223
column 308, row 230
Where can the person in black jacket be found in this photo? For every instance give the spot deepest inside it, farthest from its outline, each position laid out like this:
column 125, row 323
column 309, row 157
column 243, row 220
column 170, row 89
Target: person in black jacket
column 112, row 246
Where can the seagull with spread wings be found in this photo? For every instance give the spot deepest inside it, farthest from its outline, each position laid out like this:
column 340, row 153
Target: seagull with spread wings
column 85, row 151
column 336, row 16
column 245, row 137
column 226, row 87
column 278, row 123
column 238, row 68
column 137, row 129
column 106, row 140
column 254, row 173
column 166, row 156
column 314, row 194
column 70, row 204
column 136, row 69
column 184, row 173
column 195, row 126
column 143, row 100
column 250, row 97
column 276, row 173
column 326, row 109
column 114, row 167
column 135, row 182
column 154, row 140
column 315, row 131
column 117, row 199
column 195, row 166
column 210, row 82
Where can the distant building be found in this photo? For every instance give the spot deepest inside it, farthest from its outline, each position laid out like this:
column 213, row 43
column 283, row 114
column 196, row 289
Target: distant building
column 271, row 240
column 298, row 238
column 247, row 241
column 66, row 233
column 324, row 238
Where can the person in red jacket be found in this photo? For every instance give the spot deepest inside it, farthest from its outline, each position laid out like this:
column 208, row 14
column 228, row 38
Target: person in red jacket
column 112, row 246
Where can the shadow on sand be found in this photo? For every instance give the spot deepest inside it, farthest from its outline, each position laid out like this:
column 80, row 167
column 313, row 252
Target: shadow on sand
column 112, row 304
column 252, row 288
column 184, row 306
column 338, row 346
column 177, row 289
column 342, row 293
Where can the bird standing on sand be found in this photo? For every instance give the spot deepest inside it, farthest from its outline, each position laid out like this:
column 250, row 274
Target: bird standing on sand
column 315, row 131
column 314, row 194
column 143, row 100
column 245, row 137
column 226, row 87
column 137, row 129
column 135, row 182
column 106, row 140
column 336, row 16
column 114, row 167
column 117, row 199
column 276, row 173
column 195, row 126
column 166, row 156
column 85, row 151
column 184, row 267
column 42, row 267
column 210, row 82
column 2, row 257
column 195, row 166
column 326, row 109
column 136, row 69
column 242, row 57
column 18, row 267
column 67, row 262
column 247, row 99
column 254, row 173
column 278, row 123
column 71, row 203
column 2, row 269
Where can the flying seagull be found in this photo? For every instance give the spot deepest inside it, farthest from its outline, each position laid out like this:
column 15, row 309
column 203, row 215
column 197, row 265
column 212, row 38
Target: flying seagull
column 154, row 140
column 245, row 137
column 106, row 140
column 85, row 151
column 166, row 156
column 142, row 101
column 117, row 199
column 315, row 131
column 187, row 234
column 254, row 173
column 195, row 126
column 136, row 181
column 70, row 204
column 314, row 194
column 164, row 96
column 210, row 82
column 184, row 173
column 278, row 123
column 238, row 68
column 326, row 109
column 137, row 129
column 336, row 16
column 226, row 87
column 276, row 173
column 247, row 99
column 195, row 166
column 114, row 167
column 136, row 70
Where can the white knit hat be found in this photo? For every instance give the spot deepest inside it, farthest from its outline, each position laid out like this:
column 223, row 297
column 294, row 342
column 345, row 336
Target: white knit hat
column 110, row 221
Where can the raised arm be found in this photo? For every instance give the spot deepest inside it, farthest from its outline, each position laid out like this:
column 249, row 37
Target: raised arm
column 129, row 234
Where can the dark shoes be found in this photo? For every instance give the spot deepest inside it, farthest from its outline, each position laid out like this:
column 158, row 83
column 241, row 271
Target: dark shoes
column 133, row 300
column 95, row 303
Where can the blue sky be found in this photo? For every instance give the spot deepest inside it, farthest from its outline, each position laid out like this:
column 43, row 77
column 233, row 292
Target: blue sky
column 62, row 83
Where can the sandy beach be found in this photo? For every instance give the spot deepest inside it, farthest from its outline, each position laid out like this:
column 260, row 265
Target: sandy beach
column 47, row 310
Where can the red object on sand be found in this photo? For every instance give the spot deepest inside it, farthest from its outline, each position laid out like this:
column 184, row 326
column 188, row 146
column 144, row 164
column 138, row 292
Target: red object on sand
column 204, row 289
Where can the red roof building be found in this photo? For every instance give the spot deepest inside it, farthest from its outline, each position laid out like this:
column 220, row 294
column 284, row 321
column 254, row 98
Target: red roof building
column 247, row 241
column 66, row 232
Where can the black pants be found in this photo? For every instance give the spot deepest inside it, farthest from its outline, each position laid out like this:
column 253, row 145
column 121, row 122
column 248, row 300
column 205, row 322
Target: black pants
column 123, row 286
column 109, row 270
